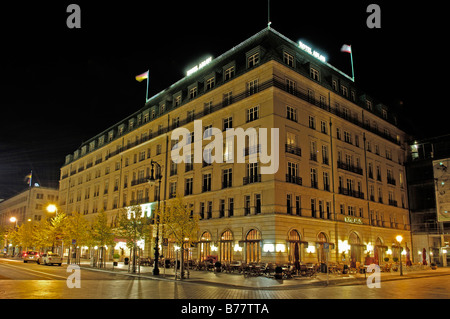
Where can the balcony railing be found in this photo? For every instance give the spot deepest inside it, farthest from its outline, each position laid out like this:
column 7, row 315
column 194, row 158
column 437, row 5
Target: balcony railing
column 349, row 167
column 293, row 179
column 292, row 149
column 351, row 192
column 252, row 179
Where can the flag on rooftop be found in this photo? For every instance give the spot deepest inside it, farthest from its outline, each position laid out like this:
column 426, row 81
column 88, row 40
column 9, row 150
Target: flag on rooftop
column 346, row 48
column 142, row 76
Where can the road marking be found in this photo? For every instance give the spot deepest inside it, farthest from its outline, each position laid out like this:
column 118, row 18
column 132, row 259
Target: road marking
column 32, row 270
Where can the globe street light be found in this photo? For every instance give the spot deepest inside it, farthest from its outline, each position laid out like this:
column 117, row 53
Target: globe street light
column 399, row 239
column 52, row 208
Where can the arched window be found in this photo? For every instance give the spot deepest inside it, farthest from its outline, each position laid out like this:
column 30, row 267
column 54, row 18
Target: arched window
column 355, row 244
column 204, row 245
column 226, row 243
column 253, row 247
column 321, row 256
column 378, row 251
column 294, row 246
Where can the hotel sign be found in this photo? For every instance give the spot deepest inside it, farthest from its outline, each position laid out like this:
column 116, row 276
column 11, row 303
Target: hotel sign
column 353, row 220
column 199, row 66
column 314, row 53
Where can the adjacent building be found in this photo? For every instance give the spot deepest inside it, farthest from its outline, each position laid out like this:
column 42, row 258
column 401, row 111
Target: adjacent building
column 339, row 190
column 429, row 189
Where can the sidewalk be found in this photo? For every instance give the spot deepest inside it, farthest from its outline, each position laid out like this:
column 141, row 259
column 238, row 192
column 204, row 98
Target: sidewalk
column 236, row 280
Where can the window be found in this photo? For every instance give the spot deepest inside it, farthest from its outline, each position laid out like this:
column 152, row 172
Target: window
column 252, row 174
column 314, row 183
column 252, row 87
column 298, row 209
column 347, row 137
column 158, row 149
column 206, row 182
column 209, row 210
column 210, row 83
column 334, row 85
column 222, row 208
column 207, row 107
column 172, row 189
column 188, row 186
column 290, row 86
column 252, row 60
column 323, row 127
column 312, row 122
column 247, row 205
column 227, row 98
column 190, row 116
column 227, row 123
column 193, row 92
column 289, row 204
column 344, row 90
column 229, row 73
column 230, row 207
column 208, row 131
column 292, row 174
column 257, row 203
column 325, row 154
column 202, row 210
column 288, row 59
column 313, row 207
column 177, row 101
column 291, row 113
column 175, row 122
column 227, row 178
column 326, row 181
column 314, row 74
column 252, row 114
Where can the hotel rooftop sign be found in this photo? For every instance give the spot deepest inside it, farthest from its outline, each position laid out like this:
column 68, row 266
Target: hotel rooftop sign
column 314, row 53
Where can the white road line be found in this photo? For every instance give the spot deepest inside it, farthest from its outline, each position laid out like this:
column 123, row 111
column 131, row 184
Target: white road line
column 31, row 270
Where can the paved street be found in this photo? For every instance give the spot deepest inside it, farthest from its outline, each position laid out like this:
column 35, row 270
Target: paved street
column 29, row 281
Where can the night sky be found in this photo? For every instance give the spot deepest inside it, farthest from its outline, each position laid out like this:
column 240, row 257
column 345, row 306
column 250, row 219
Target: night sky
column 61, row 86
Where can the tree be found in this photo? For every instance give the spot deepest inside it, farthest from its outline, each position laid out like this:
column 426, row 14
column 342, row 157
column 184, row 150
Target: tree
column 181, row 225
column 102, row 234
column 133, row 226
column 77, row 229
column 57, row 229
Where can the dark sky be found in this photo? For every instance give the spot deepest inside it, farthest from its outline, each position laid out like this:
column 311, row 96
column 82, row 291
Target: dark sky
column 61, row 86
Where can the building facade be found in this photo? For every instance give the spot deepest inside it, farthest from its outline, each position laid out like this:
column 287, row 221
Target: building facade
column 339, row 190
column 29, row 205
column 428, row 187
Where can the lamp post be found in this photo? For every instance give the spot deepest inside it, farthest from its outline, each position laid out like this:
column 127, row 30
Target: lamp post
column 399, row 239
column 152, row 180
column 13, row 220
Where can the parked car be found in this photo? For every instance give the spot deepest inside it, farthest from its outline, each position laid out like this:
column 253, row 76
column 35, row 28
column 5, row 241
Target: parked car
column 30, row 256
column 49, row 259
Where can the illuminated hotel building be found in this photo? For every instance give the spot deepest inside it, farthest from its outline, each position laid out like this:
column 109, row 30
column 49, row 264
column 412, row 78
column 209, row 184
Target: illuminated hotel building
column 341, row 176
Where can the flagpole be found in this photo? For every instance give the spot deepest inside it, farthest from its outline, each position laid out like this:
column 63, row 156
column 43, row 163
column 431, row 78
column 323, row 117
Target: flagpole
column 146, row 93
column 351, row 59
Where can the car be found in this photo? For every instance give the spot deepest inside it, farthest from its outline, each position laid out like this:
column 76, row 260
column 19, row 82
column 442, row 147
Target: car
column 49, row 259
column 30, row 256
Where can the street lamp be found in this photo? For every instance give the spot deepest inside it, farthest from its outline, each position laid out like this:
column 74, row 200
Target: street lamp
column 152, row 180
column 52, row 208
column 13, row 220
column 399, row 239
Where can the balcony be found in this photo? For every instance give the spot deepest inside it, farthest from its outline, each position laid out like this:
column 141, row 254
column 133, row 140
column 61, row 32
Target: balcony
column 391, row 180
column 292, row 149
column 293, row 179
column 350, row 168
column 350, row 192
column 252, row 179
